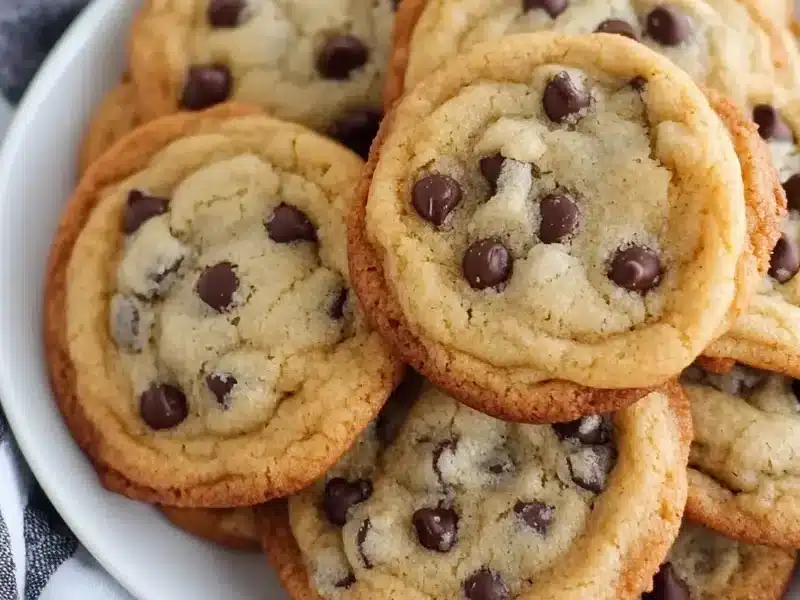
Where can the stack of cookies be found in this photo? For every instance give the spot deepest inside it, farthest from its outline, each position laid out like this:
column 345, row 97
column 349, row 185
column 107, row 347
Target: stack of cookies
column 541, row 345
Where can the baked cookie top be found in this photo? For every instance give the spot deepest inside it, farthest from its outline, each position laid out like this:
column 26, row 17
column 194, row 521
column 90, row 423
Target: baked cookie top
column 547, row 208
column 729, row 45
column 704, row 565
column 457, row 504
column 215, row 354
column 320, row 64
column 745, row 458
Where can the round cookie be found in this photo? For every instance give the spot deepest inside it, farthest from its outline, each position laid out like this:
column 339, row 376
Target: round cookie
column 744, row 476
column 515, row 276
column 458, row 504
column 704, row 565
column 320, row 64
column 115, row 117
column 203, row 344
column 231, row 527
column 729, row 45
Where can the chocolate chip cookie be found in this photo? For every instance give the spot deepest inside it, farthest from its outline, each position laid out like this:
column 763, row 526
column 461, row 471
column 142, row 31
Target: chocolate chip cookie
column 729, row 45
column 704, row 565
column 744, row 477
column 203, row 341
column 533, row 225
column 320, row 64
column 231, row 527
column 457, row 504
column 115, row 117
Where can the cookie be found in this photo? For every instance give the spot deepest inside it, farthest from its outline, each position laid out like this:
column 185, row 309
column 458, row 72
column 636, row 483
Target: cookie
column 704, row 565
column 203, row 342
column 520, row 277
column 729, row 45
column 458, row 504
column 231, row 527
column 744, row 477
column 115, row 117
column 320, row 64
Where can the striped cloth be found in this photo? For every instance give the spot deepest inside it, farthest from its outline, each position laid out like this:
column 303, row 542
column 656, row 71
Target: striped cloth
column 40, row 559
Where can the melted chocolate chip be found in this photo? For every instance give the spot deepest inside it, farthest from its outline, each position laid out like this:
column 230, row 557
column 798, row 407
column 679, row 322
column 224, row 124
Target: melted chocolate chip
column 771, row 125
column 336, row 310
column 163, row 406
column 617, row 26
column 341, row 495
column 486, row 584
column 785, row 260
column 142, row 207
column 491, row 166
column 206, row 85
column 559, row 217
column 796, row 389
column 437, row 528
column 163, row 276
column 535, row 515
column 220, row 384
column 346, row 582
column 792, row 188
column 126, row 323
column 590, row 467
column 668, row 25
column 638, row 83
column 356, row 129
column 217, row 285
column 636, row 268
column 441, row 448
column 340, row 56
column 552, row 7
column 435, row 196
column 289, row 224
column 361, row 537
column 564, row 97
column 592, row 430
column 225, row 13
column 487, row 263
column 667, row 586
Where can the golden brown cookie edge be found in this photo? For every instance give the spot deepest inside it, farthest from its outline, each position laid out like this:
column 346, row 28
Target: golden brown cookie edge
column 406, row 17
column 207, row 523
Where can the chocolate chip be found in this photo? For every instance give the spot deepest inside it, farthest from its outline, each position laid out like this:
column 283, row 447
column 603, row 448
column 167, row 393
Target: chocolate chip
column 559, row 217
column 435, row 196
column 553, row 7
column 487, row 263
column 220, row 384
column 796, row 389
column 206, row 85
column 535, row 515
column 792, row 188
column 785, row 260
column 361, row 537
column 638, row 83
column 225, row 13
column 437, row 528
column 486, row 584
column 667, row 586
column 441, row 447
column 592, row 429
column 346, row 582
column 341, row 495
column 336, row 310
column 289, row 224
column 126, row 323
column 636, row 268
column 502, row 466
column 617, row 26
column 590, row 466
column 163, row 276
column 668, row 25
column 217, row 285
column 141, row 207
column 341, row 55
column 564, row 97
column 490, row 168
column 356, row 129
column 163, row 406
column 771, row 125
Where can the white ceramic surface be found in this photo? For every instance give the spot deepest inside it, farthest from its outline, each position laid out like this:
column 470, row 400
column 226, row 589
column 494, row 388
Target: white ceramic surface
column 37, row 171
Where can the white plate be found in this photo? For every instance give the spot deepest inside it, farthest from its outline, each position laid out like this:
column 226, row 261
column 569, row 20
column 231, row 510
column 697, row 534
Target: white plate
column 153, row 560
column 37, row 172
